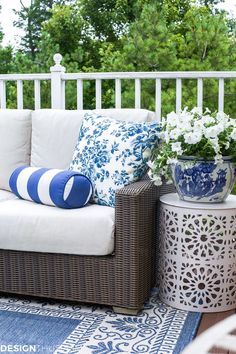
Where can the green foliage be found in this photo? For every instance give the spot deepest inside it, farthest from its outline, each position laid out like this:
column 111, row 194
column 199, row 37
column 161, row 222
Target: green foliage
column 1, row 32
column 30, row 19
column 209, row 3
column 234, row 190
column 205, row 39
column 6, row 56
column 149, row 45
column 124, row 35
column 109, row 18
column 65, row 28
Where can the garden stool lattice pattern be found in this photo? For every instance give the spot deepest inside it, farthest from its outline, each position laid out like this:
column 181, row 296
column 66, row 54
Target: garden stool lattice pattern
column 197, row 258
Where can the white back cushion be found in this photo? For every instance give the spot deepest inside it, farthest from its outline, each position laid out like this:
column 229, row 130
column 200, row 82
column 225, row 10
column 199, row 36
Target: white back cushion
column 55, row 133
column 15, row 136
column 128, row 114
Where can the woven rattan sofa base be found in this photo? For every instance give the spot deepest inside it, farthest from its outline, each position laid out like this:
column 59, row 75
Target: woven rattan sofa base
column 123, row 279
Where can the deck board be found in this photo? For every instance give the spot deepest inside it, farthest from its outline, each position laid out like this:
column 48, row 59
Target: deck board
column 208, row 320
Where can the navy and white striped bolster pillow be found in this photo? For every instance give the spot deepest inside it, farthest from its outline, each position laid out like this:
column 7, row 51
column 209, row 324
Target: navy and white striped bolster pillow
column 64, row 189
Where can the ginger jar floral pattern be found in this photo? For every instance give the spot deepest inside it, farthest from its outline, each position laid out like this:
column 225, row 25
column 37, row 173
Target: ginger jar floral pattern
column 113, row 153
column 203, row 181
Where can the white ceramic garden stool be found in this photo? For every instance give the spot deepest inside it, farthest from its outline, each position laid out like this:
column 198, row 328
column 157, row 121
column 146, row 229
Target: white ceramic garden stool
column 197, row 260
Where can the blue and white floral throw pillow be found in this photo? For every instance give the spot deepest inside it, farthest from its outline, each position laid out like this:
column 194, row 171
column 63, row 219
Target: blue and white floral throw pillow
column 113, row 153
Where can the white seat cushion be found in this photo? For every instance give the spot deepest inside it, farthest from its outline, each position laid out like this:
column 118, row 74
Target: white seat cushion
column 27, row 226
column 15, row 138
column 5, row 195
column 55, row 133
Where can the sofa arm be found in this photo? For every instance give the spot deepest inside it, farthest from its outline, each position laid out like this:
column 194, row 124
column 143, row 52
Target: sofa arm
column 142, row 189
column 136, row 214
column 135, row 189
column 137, row 210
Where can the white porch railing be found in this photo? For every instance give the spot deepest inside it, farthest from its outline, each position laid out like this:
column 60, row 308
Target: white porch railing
column 58, row 78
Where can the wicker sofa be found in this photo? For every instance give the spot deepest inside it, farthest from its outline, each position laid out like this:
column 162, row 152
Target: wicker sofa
column 124, row 277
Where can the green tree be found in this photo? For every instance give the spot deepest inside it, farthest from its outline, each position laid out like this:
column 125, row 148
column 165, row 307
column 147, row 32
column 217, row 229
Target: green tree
column 30, row 19
column 148, row 46
column 1, row 32
column 206, row 45
column 210, row 3
column 66, row 28
column 204, row 40
column 5, row 55
column 108, row 18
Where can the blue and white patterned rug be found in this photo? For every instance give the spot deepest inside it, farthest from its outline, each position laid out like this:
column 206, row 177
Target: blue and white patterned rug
column 35, row 326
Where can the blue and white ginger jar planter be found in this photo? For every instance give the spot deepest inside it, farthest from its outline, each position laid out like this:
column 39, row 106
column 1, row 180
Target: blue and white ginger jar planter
column 203, row 181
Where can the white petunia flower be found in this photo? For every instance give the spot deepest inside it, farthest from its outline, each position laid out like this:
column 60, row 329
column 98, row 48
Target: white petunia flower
column 185, row 118
column 150, row 164
column 193, row 138
column 208, row 120
column 196, row 110
column 221, row 116
column 166, row 137
column 172, row 119
column 176, row 147
column 233, row 134
column 198, row 125
column 227, row 145
column 163, row 121
column 230, row 123
column 185, row 126
column 161, row 135
column 172, row 161
column 157, row 181
column 215, row 144
column 218, row 159
column 163, row 170
column 214, row 131
column 147, row 153
column 175, row 133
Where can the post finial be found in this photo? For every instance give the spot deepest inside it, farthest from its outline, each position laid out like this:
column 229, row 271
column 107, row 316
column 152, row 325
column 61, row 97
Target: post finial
column 57, row 58
column 57, row 67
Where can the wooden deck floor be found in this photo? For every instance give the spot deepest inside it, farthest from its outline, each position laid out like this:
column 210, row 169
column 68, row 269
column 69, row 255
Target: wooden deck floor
column 208, row 320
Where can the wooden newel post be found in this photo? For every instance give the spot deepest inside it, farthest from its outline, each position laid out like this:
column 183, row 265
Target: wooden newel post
column 57, row 85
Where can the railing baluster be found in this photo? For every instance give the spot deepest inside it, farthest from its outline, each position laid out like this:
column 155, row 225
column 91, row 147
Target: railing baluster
column 200, row 93
column 221, row 95
column 59, row 78
column 158, row 99
column 137, row 93
column 79, row 94
column 2, row 94
column 19, row 84
column 37, row 94
column 118, row 93
column 63, row 94
column 98, row 93
column 178, row 95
